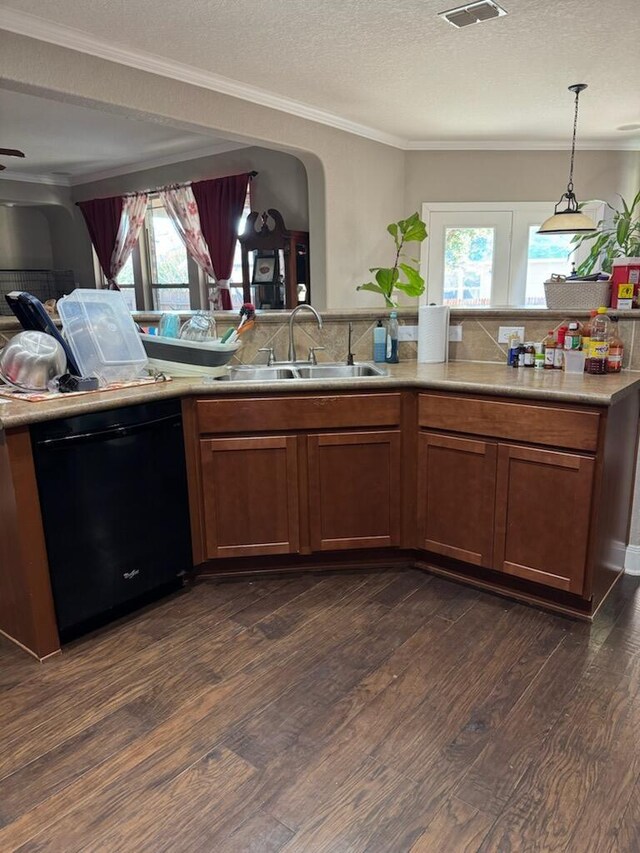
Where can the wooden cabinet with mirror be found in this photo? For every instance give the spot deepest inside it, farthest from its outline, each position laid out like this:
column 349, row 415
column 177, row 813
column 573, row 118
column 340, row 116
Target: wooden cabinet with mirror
column 275, row 262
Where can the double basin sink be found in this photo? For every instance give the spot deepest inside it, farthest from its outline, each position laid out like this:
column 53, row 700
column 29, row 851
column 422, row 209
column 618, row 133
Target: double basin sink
column 302, row 370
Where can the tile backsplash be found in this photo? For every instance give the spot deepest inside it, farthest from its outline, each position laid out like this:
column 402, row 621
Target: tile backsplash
column 479, row 333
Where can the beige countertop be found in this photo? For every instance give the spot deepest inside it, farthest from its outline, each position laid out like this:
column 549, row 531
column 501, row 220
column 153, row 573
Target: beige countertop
column 462, row 377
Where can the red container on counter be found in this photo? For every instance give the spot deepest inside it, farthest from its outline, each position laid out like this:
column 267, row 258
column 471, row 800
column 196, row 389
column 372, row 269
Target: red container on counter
column 625, row 283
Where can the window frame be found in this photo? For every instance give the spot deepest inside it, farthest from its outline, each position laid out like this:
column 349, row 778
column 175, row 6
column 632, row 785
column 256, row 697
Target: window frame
column 510, row 293
column 143, row 286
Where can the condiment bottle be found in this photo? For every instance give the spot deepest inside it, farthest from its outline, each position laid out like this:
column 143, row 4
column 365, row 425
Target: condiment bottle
column 558, row 356
column 529, row 354
column 538, row 362
column 573, row 336
column 596, row 362
column 586, row 332
column 616, row 349
column 549, row 346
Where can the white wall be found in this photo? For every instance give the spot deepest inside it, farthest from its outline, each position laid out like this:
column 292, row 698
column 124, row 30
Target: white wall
column 517, row 175
column 281, row 180
column 69, row 247
column 25, row 239
column 356, row 187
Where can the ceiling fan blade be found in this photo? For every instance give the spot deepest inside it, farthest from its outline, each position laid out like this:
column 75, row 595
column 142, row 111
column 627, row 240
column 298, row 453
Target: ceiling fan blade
column 11, row 152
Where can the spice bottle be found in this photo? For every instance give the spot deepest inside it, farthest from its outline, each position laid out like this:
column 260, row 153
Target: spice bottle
column 549, row 346
column 616, row 349
column 596, row 362
column 514, row 343
column 529, row 354
column 538, row 362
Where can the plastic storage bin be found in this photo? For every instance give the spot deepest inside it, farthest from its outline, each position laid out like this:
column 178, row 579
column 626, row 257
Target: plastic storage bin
column 102, row 335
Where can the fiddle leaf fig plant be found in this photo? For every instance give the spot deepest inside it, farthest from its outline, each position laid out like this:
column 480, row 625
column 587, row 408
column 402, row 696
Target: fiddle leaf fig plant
column 404, row 275
column 618, row 239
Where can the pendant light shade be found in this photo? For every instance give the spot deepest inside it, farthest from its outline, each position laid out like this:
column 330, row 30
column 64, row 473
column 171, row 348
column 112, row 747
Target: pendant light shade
column 569, row 220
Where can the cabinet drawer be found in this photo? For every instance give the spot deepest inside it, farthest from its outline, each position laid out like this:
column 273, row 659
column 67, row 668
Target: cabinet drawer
column 570, row 428
column 249, row 414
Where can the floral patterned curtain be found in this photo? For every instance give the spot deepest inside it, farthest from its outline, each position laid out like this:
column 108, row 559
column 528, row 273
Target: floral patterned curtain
column 183, row 211
column 131, row 221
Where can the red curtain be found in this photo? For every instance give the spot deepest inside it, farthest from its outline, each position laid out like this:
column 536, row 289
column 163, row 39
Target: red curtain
column 220, row 203
column 102, row 216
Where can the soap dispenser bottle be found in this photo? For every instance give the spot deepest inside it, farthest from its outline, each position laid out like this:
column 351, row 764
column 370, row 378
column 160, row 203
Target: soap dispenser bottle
column 379, row 343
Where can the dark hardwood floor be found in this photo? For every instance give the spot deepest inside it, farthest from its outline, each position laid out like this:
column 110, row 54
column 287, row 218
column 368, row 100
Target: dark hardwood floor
column 348, row 712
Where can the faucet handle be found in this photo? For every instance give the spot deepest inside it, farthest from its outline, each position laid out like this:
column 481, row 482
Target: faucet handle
column 271, row 358
column 312, row 354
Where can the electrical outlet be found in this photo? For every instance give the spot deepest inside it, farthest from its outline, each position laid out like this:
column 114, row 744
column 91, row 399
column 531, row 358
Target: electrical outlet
column 505, row 331
column 407, row 333
column 455, row 332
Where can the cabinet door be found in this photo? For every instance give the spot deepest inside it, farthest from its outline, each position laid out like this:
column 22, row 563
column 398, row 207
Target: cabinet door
column 250, row 495
column 456, row 497
column 354, row 490
column 543, row 507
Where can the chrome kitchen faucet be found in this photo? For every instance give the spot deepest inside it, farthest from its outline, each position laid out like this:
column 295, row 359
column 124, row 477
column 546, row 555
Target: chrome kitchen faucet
column 292, row 346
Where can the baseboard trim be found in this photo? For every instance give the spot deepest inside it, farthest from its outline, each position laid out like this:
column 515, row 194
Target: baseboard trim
column 632, row 560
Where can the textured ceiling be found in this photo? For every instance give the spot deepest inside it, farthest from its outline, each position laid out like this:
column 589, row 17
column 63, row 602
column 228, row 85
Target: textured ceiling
column 70, row 141
column 393, row 65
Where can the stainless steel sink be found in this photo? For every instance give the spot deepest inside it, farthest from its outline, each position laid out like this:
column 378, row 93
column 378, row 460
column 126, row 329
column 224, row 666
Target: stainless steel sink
column 298, row 370
column 339, row 371
column 259, row 374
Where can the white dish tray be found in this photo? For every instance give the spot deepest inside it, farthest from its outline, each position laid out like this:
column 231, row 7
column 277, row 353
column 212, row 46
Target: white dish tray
column 176, row 357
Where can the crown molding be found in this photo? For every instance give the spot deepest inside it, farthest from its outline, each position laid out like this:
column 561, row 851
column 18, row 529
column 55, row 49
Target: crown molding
column 35, row 27
column 521, row 145
column 154, row 163
column 32, row 26
column 28, row 178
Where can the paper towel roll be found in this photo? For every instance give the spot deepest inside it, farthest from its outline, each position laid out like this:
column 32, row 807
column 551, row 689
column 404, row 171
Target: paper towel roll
column 433, row 334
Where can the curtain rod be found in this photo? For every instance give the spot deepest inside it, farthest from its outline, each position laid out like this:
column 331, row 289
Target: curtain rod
column 173, row 187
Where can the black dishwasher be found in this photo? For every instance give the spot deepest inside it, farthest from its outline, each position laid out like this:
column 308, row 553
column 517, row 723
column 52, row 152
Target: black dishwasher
column 113, row 492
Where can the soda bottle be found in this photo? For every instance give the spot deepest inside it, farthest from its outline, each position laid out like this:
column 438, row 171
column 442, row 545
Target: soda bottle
column 616, row 349
column 596, row 362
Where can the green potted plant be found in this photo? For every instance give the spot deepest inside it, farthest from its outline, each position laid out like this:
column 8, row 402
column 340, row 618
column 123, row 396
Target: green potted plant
column 618, row 239
column 404, row 274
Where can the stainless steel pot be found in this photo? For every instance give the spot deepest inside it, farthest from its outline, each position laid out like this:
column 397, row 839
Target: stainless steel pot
column 31, row 359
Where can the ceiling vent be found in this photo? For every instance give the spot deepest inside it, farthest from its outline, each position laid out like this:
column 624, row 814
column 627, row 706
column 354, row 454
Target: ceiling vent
column 473, row 13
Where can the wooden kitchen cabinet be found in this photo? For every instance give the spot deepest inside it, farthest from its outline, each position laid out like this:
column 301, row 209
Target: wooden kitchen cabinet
column 354, row 490
column 543, row 512
column 456, row 495
column 250, row 493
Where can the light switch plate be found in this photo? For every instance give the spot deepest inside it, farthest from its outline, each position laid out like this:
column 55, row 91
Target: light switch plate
column 407, row 333
column 505, row 331
column 455, row 332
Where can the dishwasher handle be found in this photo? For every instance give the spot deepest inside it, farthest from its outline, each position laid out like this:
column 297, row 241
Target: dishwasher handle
column 116, row 431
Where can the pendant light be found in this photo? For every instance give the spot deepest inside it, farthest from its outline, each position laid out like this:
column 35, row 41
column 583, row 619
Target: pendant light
column 570, row 220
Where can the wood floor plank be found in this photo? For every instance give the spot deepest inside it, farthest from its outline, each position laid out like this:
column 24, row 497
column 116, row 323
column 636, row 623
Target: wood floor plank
column 557, row 790
column 495, row 773
column 382, row 712
column 625, row 837
column 457, row 826
column 167, row 748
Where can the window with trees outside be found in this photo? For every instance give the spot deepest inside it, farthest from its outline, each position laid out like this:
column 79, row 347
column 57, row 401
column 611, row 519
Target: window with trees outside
column 160, row 276
column 491, row 254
